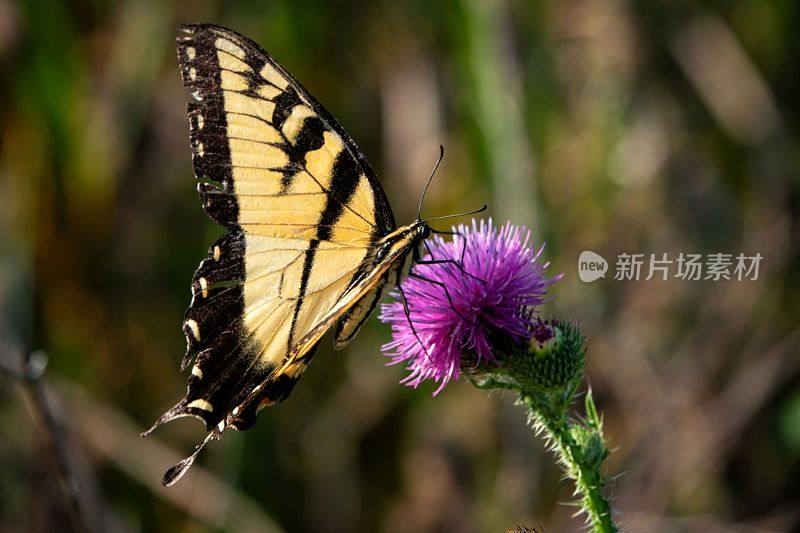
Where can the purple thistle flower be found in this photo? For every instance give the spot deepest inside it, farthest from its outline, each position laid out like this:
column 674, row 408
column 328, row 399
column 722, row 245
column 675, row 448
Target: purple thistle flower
column 500, row 284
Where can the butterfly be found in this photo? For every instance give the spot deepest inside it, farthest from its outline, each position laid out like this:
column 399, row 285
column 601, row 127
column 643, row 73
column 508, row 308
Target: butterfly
column 311, row 241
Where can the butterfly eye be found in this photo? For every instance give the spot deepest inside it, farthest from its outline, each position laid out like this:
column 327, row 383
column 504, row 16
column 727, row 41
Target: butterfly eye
column 425, row 231
column 382, row 251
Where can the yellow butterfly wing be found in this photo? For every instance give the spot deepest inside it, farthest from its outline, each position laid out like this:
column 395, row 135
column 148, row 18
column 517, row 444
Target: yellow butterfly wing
column 303, row 210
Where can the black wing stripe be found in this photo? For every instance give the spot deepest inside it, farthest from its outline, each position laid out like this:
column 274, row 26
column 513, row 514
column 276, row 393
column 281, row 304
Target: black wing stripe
column 310, row 137
column 284, row 103
column 344, row 183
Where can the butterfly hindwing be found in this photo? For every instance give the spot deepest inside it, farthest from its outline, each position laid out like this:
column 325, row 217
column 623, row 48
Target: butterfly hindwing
column 351, row 321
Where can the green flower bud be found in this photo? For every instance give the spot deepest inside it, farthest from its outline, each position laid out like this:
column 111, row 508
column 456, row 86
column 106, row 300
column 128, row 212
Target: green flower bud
column 591, row 444
column 554, row 359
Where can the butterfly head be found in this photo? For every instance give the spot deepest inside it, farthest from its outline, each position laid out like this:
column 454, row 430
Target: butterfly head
column 422, row 230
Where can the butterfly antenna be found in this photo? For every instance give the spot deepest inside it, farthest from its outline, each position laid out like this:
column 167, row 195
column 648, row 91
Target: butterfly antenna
column 475, row 212
column 425, row 190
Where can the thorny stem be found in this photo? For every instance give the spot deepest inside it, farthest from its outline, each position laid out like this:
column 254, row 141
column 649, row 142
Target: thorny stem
column 581, row 461
column 546, row 375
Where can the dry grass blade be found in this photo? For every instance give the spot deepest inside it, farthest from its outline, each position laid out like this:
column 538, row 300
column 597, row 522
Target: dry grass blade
column 112, row 435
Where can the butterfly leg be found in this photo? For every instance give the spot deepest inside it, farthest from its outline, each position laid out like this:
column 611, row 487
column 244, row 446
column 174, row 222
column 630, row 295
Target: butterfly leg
column 439, row 284
column 458, row 264
column 407, row 312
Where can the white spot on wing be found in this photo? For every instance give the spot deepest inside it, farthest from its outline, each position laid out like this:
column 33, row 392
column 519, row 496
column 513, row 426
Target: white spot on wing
column 190, row 52
column 197, row 372
column 217, row 253
column 203, row 287
column 194, row 328
column 201, row 404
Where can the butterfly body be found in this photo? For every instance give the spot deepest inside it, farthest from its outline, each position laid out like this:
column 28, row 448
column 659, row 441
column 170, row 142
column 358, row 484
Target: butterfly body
column 311, row 240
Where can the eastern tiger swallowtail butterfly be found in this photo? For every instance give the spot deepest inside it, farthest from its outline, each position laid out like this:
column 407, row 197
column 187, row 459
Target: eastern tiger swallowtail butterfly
column 311, row 240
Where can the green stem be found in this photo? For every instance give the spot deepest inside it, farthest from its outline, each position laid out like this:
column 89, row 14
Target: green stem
column 546, row 372
column 581, row 461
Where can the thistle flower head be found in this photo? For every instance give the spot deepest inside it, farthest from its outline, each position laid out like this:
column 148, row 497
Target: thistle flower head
column 488, row 288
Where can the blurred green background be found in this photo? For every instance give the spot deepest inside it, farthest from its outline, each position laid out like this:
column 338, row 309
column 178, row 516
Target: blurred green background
column 608, row 125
